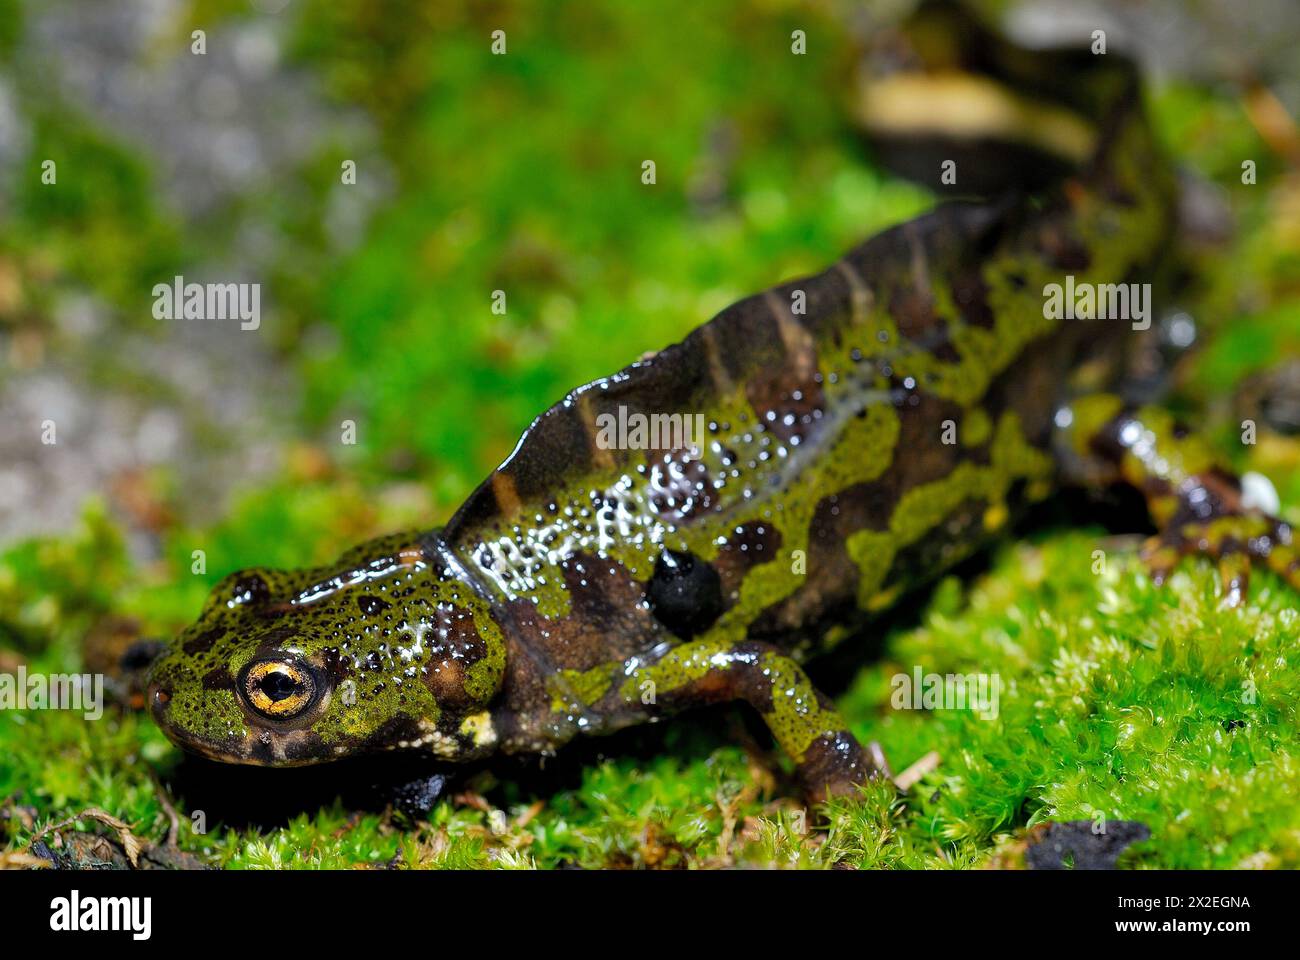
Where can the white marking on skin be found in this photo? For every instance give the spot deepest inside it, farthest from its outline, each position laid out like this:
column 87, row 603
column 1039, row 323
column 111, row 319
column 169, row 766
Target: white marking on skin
column 621, row 514
column 480, row 729
column 517, row 559
column 418, row 631
column 438, row 743
column 376, row 570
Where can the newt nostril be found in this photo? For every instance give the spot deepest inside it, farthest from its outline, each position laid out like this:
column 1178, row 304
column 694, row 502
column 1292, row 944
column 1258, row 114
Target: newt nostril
column 159, row 698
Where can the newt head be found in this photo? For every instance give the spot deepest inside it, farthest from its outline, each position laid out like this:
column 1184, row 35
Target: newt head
column 387, row 649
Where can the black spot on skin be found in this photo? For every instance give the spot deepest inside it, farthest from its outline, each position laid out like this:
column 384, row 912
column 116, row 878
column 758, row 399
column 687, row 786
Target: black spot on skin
column 337, row 666
column 218, row 678
column 972, row 298
column 203, row 642
column 277, row 638
column 685, row 593
column 250, row 589
column 370, row 605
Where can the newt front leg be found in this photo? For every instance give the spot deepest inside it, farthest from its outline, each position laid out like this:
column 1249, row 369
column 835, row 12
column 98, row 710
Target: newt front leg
column 803, row 721
column 829, row 760
column 1197, row 506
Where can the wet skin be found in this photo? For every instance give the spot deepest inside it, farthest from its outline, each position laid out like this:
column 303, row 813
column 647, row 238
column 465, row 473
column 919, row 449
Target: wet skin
column 867, row 428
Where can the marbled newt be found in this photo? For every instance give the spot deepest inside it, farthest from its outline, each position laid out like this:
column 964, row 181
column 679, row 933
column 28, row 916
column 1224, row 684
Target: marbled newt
column 864, row 430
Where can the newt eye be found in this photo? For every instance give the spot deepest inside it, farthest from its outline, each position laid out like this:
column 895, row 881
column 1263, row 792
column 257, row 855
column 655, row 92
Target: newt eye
column 278, row 689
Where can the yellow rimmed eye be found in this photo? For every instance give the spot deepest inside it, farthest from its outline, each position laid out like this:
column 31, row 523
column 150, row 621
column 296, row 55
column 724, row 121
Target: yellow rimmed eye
column 278, row 690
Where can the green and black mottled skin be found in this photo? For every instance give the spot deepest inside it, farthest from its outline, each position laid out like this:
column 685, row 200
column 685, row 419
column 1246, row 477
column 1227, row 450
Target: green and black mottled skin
column 856, row 449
